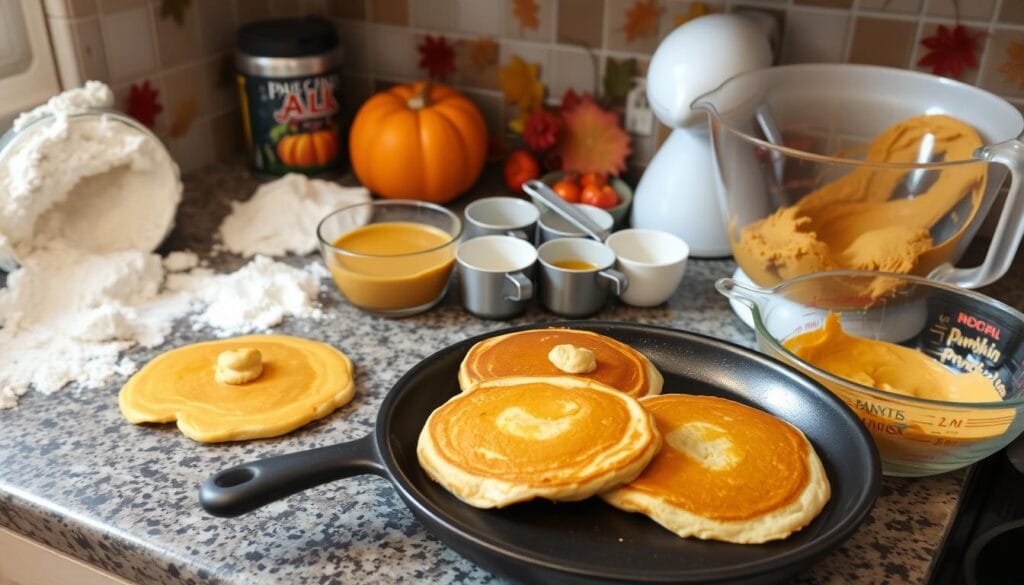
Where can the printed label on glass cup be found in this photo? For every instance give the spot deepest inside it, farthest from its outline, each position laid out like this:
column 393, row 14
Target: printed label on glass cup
column 291, row 124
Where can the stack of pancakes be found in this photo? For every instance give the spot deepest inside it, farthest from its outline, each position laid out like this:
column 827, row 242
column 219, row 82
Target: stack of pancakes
column 698, row 465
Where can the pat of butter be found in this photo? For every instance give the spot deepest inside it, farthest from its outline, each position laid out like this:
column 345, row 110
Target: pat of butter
column 572, row 360
column 238, row 366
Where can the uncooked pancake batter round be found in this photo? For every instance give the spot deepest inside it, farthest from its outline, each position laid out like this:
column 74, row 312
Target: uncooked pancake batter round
column 726, row 472
column 513, row 439
column 525, row 353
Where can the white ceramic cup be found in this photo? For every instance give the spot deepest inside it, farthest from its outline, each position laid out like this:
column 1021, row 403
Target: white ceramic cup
column 501, row 216
column 552, row 226
column 654, row 262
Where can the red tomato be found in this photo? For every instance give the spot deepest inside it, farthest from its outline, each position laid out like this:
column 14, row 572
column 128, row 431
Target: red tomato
column 568, row 191
column 595, row 179
column 520, row 166
column 604, row 197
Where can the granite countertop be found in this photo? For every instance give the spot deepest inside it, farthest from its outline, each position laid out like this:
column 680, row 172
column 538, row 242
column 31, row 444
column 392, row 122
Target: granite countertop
column 75, row 476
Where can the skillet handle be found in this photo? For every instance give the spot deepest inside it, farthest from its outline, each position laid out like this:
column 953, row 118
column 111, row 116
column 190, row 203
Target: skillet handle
column 243, row 488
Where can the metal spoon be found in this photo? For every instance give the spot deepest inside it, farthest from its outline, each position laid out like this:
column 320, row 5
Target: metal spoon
column 543, row 194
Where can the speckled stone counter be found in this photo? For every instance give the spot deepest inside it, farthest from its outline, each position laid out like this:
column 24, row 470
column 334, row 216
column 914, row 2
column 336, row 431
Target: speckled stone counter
column 75, row 476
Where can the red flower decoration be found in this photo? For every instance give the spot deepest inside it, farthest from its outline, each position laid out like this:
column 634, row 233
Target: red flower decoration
column 143, row 104
column 571, row 99
column 542, row 130
column 436, row 56
column 950, row 51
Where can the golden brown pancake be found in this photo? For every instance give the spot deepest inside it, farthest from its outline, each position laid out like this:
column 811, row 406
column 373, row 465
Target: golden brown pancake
column 525, row 353
column 510, row 440
column 726, row 472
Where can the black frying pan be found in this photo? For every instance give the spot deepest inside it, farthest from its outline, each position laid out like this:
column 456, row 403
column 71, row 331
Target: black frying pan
column 589, row 541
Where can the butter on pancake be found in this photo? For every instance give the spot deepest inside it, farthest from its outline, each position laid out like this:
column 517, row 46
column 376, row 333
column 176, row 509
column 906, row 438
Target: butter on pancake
column 726, row 472
column 514, row 439
column 526, row 353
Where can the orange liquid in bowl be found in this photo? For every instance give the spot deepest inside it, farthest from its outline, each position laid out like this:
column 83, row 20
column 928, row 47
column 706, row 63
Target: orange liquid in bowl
column 393, row 265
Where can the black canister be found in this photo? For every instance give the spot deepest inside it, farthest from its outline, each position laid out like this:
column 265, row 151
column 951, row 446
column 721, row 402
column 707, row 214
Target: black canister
column 288, row 84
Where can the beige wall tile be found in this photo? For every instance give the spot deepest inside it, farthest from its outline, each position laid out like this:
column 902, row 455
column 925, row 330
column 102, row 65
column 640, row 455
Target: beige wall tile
column 129, row 43
column 436, row 14
column 969, row 75
column 193, row 150
column 1012, row 12
column 218, row 24
column 347, row 9
column 394, row 12
column 576, row 70
column 531, row 53
column 177, row 43
column 122, row 91
column 677, row 11
column 62, row 39
column 881, row 41
column 1004, row 67
column 92, row 58
column 814, row 36
column 971, row 9
column 110, row 6
column 473, row 74
column 479, row 17
column 70, row 8
column 617, row 39
column 545, row 31
column 896, row 6
column 825, row 3
column 183, row 84
column 581, row 22
column 393, row 53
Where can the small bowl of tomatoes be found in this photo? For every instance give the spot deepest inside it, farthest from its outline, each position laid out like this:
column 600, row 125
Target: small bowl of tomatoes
column 605, row 191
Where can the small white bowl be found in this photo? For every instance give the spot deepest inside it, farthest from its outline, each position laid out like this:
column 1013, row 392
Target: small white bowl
column 654, row 262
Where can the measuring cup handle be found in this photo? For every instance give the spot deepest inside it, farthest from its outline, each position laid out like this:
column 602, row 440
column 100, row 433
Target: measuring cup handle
column 1009, row 230
column 522, row 287
column 619, row 281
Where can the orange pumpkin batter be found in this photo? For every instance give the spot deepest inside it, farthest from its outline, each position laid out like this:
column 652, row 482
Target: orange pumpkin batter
column 723, row 460
column 526, row 354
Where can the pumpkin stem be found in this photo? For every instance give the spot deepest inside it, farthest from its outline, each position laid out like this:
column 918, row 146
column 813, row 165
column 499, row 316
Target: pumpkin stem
column 419, row 99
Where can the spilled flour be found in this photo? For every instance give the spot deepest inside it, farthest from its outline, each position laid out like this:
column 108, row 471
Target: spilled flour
column 78, row 237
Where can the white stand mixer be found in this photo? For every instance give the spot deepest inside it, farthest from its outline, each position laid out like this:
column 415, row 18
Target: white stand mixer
column 677, row 190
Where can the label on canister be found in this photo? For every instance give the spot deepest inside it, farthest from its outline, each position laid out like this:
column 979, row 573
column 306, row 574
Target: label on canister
column 291, row 124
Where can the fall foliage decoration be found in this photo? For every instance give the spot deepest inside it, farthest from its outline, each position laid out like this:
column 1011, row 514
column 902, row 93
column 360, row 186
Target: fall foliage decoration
column 1013, row 66
column 483, row 52
column 437, row 57
column 542, row 130
column 418, row 141
column 525, row 12
column 183, row 116
column 520, row 83
column 950, row 51
column 641, row 19
column 594, row 140
column 696, row 10
column 571, row 99
column 174, row 9
column 618, row 79
column 144, row 104
column 308, row 149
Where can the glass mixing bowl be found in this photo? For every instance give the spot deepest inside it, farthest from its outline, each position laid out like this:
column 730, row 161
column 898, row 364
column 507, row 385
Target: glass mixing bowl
column 911, row 203
column 963, row 330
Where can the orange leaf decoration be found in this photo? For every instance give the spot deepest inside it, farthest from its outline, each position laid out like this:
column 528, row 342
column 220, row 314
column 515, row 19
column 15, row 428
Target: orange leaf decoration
column 697, row 9
column 642, row 19
column 594, row 141
column 183, row 116
column 526, row 13
column 1013, row 67
column 483, row 52
column 521, row 86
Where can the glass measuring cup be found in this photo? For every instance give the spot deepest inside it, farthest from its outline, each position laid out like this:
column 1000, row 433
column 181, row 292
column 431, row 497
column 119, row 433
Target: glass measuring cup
column 961, row 329
column 799, row 138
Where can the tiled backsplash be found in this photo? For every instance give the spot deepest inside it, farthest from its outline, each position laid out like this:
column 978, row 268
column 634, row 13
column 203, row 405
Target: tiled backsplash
column 183, row 47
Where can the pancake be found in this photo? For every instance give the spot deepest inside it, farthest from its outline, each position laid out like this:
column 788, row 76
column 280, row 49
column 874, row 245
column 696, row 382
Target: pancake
column 511, row 440
column 726, row 472
column 525, row 353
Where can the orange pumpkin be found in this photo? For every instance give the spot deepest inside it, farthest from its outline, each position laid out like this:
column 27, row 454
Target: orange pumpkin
column 418, row 141
column 314, row 149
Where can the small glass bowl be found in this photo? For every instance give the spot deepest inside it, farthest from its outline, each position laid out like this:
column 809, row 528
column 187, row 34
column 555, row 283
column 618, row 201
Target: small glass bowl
column 963, row 330
column 391, row 283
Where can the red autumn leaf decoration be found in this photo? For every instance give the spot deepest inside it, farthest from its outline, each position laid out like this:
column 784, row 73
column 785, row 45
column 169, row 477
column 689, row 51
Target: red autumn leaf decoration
column 542, row 130
column 571, row 99
column 525, row 12
column 950, row 51
column 143, row 104
column 437, row 57
column 594, row 141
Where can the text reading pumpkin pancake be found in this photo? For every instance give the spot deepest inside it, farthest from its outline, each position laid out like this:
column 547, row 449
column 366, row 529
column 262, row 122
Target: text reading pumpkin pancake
column 525, row 353
column 510, row 440
column 726, row 472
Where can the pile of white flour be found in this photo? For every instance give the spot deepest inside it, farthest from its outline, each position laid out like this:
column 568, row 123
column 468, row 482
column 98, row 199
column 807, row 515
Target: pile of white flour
column 281, row 217
column 83, row 202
